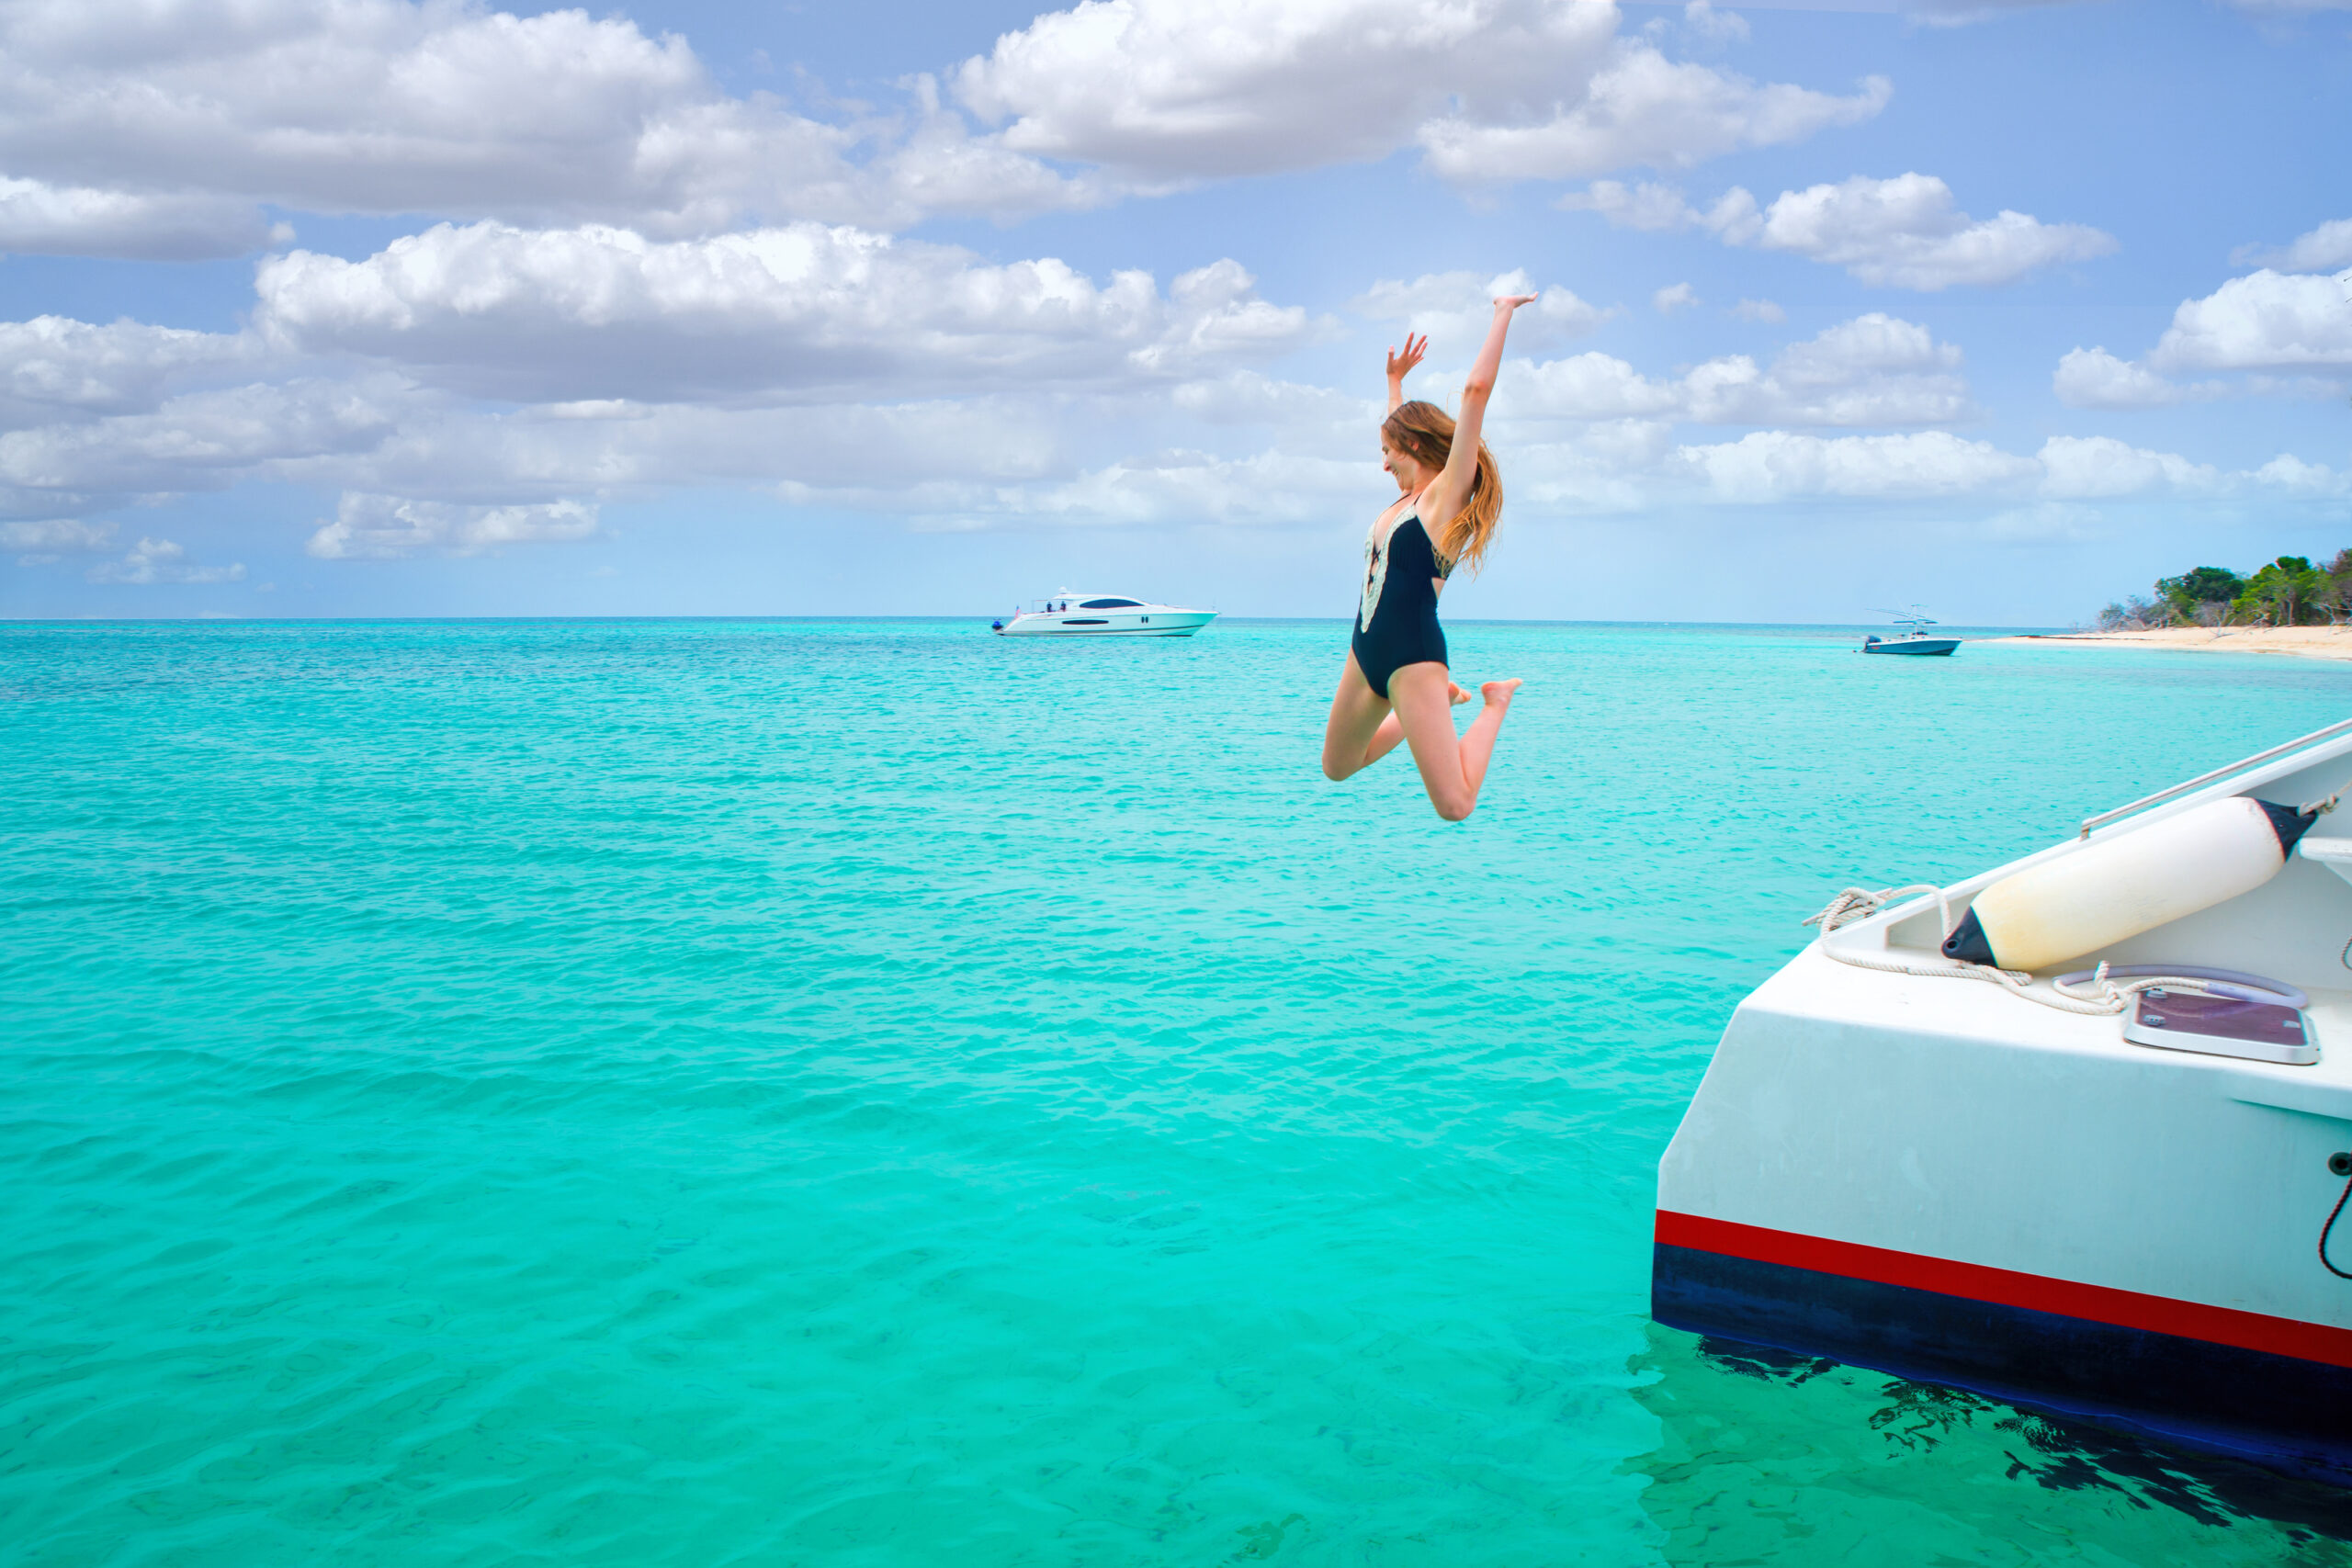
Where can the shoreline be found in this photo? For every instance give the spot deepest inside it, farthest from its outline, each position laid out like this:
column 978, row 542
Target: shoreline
column 2293, row 642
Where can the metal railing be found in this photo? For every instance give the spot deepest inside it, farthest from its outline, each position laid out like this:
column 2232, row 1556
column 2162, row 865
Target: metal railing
column 2104, row 817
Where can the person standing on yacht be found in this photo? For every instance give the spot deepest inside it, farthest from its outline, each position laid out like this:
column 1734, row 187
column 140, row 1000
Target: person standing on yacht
column 1395, row 685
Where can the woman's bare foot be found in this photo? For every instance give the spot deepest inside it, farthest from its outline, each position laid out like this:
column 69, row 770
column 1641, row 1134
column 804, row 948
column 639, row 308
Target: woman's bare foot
column 1498, row 693
column 1456, row 694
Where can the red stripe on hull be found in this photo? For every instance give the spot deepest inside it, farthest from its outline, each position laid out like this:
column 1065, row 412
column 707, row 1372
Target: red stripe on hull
column 2006, row 1287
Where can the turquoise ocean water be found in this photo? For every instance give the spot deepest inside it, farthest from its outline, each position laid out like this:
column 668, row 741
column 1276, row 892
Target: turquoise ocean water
column 874, row 1093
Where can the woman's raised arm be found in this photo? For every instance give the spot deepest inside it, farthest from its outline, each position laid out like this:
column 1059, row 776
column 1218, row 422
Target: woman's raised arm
column 1451, row 492
column 1401, row 364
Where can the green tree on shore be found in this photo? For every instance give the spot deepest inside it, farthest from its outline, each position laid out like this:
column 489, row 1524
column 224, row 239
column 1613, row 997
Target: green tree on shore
column 2338, row 595
column 2202, row 597
column 2288, row 591
column 2283, row 593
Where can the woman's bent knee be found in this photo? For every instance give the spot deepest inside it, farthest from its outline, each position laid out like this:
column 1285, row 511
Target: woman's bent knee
column 1454, row 810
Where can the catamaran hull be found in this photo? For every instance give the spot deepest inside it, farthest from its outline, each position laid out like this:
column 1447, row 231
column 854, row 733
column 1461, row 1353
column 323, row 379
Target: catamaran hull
column 1107, row 623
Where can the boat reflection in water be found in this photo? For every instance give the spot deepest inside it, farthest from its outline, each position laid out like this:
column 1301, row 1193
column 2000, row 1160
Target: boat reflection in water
column 1778, row 1459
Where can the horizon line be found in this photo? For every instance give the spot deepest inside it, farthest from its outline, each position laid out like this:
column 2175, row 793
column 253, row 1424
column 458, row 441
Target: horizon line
column 225, row 619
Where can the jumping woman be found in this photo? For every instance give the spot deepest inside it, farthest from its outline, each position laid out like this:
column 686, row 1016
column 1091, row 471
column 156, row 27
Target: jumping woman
column 1395, row 685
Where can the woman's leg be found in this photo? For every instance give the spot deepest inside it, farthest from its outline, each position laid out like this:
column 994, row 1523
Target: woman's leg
column 1359, row 716
column 1391, row 732
column 1356, row 707
column 1452, row 768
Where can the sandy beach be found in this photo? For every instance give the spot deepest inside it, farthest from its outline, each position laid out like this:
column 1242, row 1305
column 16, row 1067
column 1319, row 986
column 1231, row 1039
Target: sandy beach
column 2301, row 642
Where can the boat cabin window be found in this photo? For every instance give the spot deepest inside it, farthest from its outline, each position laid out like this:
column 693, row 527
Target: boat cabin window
column 1110, row 604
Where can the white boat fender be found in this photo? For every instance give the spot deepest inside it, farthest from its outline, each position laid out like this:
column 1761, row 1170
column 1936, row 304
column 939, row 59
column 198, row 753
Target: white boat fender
column 2131, row 882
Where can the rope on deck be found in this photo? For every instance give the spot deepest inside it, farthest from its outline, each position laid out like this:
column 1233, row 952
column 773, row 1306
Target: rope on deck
column 2107, row 997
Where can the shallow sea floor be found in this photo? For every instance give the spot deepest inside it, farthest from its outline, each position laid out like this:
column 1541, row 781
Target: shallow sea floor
column 862, row 1093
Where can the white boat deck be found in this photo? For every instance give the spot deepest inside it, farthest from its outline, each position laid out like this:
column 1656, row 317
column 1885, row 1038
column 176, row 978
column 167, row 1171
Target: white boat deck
column 1949, row 1119
column 1976, row 1015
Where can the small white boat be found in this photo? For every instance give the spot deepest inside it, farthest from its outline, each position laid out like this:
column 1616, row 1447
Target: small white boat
column 2127, row 1203
column 1913, row 638
column 1101, row 615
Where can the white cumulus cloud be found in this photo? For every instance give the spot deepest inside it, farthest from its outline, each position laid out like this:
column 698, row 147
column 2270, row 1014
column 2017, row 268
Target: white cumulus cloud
column 44, row 541
column 1651, row 208
column 39, row 219
column 1630, row 465
column 1905, row 232
column 2325, row 247
column 1454, row 309
column 53, row 364
column 1644, row 109
column 483, row 476
column 2304, row 480
column 2266, row 320
column 1317, row 421
column 2077, row 467
column 159, row 128
column 204, row 440
column 1706, row 24
column 1779, row 465
column 1592, row 386
column 1261, row 489
column 384, row 527
column 1181, row 90
column 1873, row 371
column 2094, row 379
column 438, row 106
column 161, row 560
column 598, row 312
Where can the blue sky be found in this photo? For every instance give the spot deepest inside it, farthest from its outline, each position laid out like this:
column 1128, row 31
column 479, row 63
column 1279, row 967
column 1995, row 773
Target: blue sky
column 372, row 308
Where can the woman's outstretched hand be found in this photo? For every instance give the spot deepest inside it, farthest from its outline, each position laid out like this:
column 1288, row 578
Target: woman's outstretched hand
column 1506, row 303
column 1399, row 365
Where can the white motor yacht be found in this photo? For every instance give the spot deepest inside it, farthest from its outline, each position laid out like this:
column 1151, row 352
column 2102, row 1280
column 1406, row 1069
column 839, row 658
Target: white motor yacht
column 2039, row 1133
column 1099, row 614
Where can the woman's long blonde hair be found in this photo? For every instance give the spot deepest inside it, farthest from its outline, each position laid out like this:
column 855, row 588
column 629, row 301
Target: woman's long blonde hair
column 1424, row 432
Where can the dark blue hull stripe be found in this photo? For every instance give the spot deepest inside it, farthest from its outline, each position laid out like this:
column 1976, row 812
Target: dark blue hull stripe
column 2280, row 1411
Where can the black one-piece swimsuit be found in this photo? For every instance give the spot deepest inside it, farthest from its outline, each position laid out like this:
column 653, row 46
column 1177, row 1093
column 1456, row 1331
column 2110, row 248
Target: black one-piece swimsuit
column 1396, row 619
